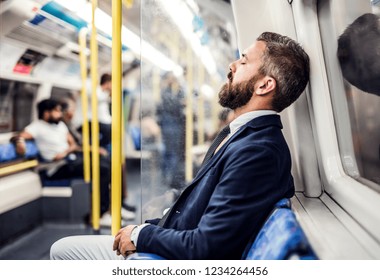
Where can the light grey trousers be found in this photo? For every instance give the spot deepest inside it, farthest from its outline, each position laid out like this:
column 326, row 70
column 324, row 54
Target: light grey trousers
column 84, row 247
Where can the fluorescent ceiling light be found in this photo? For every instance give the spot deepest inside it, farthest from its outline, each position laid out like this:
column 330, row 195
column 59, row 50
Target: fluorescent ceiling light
column 103, row 22
column 183, row 17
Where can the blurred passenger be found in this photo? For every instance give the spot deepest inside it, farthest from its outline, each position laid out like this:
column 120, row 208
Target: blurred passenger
column 171, row 119
column 150, row 130
column 104, row 114
column 359, row 53
column 225, row 117
column 56, row 145
column 229, row 199
column 68, row 110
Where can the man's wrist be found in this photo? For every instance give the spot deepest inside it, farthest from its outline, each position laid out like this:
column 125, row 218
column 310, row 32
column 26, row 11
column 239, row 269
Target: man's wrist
column 135, row 233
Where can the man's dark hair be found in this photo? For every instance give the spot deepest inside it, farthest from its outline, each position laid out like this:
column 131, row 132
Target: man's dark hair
column 359, row 53
column 64, row 105
column 105, row 78
column 286, row 62
column 46, row 105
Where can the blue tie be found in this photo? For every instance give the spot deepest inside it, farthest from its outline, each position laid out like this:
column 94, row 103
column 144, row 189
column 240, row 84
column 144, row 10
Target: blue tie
column 218, row 139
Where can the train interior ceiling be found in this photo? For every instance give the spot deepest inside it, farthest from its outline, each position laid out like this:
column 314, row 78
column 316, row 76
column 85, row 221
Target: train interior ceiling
column 175, row 57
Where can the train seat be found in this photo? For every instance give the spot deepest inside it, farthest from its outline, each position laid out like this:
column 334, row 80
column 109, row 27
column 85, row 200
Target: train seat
column 14, row 191
column 280, row 238
column 64, row 199
column 61, row 199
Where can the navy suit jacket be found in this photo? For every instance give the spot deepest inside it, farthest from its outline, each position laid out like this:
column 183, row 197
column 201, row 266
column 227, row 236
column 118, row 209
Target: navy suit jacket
column 227, row 202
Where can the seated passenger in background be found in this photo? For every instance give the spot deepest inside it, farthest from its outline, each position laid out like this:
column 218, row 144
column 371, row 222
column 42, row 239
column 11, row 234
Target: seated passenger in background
column 68, row 110
column 234, row 191
column 225, row 117
column 103, row 93
column 56, row 144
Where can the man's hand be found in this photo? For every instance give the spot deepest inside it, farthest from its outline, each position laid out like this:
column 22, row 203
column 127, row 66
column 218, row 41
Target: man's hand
column 20, row 145
column 103, row 152
column 123, row 244
column 60, row 156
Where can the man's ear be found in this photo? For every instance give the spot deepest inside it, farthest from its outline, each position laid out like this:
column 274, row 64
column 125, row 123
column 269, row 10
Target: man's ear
column 265, row 85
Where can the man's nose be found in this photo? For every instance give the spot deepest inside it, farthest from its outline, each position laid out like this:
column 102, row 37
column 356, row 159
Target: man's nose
column 232, row 66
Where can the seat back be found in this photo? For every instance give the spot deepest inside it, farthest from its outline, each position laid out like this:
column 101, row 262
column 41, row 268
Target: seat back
column 281, row 237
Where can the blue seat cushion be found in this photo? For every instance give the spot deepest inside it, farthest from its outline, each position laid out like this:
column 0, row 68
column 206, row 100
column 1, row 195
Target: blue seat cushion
column 144, row 256
column 280, row 238
column 31, row 150
column 8, row 152
column 283, row 203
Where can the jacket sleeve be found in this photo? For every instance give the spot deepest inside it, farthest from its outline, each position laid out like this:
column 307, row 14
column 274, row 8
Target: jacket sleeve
column 247, row 190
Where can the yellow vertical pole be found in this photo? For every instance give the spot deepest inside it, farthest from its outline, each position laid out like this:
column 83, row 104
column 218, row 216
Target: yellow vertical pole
column 85, row 127
column 189, row 116
column 95, row 124
column 116, row 116
column 201, row 111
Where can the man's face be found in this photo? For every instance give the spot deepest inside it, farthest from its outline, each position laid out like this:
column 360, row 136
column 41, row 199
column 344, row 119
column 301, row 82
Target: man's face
column 108, row 87
column 54, row 116
column 242, row 77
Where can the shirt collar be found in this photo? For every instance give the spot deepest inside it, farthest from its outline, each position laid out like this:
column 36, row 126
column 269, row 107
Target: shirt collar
column 246, row 117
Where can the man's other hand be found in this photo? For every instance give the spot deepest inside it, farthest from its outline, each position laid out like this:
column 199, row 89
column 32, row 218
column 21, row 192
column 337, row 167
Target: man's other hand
column 122, row 243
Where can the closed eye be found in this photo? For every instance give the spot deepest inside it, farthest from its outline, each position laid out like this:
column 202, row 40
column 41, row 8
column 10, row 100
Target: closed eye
column 244, row 58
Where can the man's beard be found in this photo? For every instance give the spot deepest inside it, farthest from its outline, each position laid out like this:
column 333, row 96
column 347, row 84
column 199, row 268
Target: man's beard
column 236, row 96
column 53, row 120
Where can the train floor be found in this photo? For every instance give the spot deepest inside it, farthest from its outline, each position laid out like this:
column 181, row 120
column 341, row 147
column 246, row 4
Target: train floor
column 35, row 245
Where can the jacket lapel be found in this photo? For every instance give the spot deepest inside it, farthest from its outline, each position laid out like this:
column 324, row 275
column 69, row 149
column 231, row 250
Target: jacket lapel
column 255, row 123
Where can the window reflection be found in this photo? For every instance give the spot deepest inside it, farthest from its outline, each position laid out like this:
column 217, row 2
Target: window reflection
column 357, row 55
column 15, row 100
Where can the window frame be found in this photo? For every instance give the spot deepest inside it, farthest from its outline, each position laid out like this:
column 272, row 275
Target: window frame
column 355, row 198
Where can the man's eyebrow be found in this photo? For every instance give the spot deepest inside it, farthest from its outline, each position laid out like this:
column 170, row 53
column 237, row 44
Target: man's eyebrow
column 244, row 55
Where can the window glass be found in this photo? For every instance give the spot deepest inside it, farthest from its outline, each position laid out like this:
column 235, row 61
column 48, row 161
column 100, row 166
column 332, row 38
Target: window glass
column 15, row 100
column 350, row 33
column 186, row 49
column 62, row 93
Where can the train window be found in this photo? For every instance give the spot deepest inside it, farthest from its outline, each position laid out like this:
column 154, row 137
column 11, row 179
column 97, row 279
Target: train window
column 61, row 93
column 186, row 48
column 15, row 100
column 351, row 41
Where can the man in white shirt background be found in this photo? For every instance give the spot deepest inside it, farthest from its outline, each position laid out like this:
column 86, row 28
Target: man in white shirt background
column 55, row 143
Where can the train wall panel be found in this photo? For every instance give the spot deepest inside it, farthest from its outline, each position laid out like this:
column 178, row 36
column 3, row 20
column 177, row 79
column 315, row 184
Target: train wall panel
column 17, row 221
column 19, row 189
